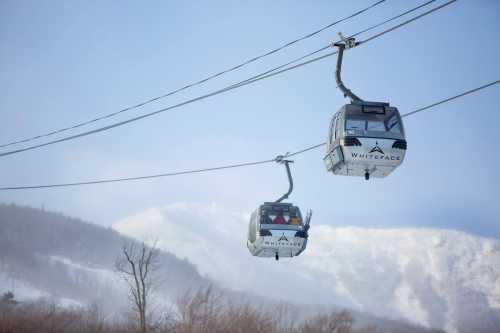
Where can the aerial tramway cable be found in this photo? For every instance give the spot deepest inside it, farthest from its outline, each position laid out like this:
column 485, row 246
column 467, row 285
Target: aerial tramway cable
column 237, row 165
column 270, row 73
column 191, row 85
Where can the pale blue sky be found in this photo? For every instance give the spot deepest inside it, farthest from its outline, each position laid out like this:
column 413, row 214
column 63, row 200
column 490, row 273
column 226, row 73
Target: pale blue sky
column 65, row 62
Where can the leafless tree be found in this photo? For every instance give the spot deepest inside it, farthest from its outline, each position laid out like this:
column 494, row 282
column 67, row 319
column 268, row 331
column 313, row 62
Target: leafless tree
column 137, row 265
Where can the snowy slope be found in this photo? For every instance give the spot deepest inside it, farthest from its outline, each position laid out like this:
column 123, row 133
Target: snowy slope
column 47, row 254
column 106, row 284
column 436, row 278
column 70, row 276
column 22, row 289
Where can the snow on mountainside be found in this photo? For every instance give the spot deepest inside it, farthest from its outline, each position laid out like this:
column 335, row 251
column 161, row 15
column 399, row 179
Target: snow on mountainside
column 439, row 278
column 23, row 290
column 46, row 254
column 436, row 278
column 62, row 259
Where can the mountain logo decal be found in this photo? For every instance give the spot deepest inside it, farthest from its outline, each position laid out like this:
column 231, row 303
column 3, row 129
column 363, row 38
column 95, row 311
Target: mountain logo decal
column 376, row 149
column 283, row 238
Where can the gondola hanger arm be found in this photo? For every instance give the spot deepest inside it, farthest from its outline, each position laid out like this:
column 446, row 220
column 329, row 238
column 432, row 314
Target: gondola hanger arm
column 345, row 43
column 281, row 159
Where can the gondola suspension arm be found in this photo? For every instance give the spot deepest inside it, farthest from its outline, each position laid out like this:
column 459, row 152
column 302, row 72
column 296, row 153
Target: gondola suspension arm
column 345, row 43
column 281, row 159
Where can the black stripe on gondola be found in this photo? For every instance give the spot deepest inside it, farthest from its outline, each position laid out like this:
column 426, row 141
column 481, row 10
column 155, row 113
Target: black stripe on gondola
column 264, row 232
column 400, row 144
column 351, row 141
column 301, row 234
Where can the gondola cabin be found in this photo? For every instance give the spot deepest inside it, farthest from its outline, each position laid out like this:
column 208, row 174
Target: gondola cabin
column 365, row 139
column 277, row 230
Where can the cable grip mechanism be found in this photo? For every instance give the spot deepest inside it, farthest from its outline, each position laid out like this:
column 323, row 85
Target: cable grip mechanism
column 349, row 42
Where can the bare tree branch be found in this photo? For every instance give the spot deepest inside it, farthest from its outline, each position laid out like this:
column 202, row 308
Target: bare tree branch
column 136, row 267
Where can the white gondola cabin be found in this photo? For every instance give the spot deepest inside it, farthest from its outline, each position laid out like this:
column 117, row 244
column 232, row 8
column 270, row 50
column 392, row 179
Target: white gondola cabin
column 365, row 139
column 277, row 230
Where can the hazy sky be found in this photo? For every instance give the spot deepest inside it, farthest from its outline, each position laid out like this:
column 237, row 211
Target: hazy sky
column 65, row 62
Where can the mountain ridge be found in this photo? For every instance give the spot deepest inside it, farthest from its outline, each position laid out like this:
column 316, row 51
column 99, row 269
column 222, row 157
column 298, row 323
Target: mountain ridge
column 50, row 255
column 433, row 277
column 70, row 259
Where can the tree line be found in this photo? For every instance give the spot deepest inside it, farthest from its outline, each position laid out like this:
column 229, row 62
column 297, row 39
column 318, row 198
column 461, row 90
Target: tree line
column 203, row 311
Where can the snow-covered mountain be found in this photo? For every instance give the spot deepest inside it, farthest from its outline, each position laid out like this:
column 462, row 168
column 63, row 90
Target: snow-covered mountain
column 46, row 254
column 436, row 278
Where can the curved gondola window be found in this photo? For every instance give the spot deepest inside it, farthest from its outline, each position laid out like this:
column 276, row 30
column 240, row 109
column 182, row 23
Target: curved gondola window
column 393, row 124
column 330, row 133
column 337, row 122
column 252, row 228
column 355, row 124
column 377, row 126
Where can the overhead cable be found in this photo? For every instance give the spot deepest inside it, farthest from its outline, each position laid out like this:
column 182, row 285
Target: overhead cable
column 451, row 98
column 230, row 166
column 271, row 73
column 191, row 85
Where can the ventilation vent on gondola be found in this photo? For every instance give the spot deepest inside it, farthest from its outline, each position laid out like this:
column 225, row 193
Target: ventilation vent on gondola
column 351, row 141
column 400, row 144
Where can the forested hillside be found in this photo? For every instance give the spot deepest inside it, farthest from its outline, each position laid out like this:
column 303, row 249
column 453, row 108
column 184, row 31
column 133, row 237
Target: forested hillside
column 71, row 259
